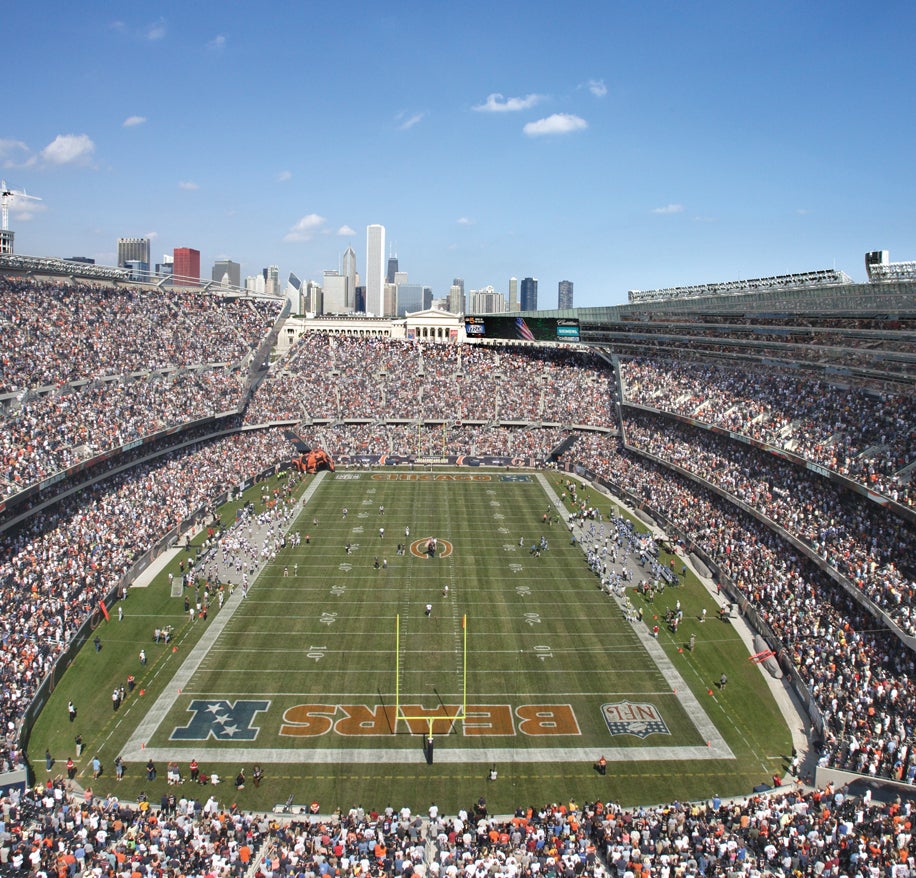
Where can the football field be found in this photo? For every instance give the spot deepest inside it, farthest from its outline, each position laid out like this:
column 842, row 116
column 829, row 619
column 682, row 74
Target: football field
column 417, row 627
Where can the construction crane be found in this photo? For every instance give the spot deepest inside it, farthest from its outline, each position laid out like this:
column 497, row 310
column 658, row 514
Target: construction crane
column 6, row 196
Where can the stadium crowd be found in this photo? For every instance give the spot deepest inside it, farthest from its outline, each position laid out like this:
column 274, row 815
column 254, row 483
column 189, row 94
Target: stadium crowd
column 55, row 333
column 58, row 831
column 114, row 343
column 868, row 437
column 56, row 567
column 861, row 678
column 874, row 347
column 871, row 548
column 344, row 377
column 55, row 431
column 351, row 440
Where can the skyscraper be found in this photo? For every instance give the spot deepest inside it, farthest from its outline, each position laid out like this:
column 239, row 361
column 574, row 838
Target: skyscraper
column 375, row 270
column 228, row 270
column 529, row 300
column 486, row 301
column 133, row 250
column 334, row 288
column 513, row 294
column 392, row 268
column 565, row 294
column 456, row 299
column 187, row 267
column 348, row 270
column 294, row 293
column 389, row 300
column 272, row 280
column 410, row 298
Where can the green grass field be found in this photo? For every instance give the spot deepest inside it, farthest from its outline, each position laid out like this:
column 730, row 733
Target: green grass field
column 525, row 665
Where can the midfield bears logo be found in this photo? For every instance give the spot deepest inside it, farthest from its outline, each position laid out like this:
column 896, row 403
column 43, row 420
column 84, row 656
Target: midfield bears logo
column 633, row 718
column 216, row 718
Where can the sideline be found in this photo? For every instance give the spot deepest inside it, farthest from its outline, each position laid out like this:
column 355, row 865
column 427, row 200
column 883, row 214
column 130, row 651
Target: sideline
column 688, row 701
column 135, row 748
column 791, row 708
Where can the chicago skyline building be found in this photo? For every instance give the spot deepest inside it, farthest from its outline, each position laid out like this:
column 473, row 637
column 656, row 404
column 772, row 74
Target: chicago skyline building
column 513, row 294
column 272, row 280
column 565, row 294
column 392, row 269
column 227, row 271
column 529, row 294
column 334, row 288
column 409, row 298
column 186, row 266
column 375, row 270
column 348, row 270
column 456, row 297
column 486, row 301
column 133, row 250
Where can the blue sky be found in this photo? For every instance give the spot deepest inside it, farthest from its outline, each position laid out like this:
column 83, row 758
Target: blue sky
column 618, row 145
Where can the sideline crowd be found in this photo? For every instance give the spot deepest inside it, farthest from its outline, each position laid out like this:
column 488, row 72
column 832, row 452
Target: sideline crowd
column 861, row 677
column 54, row 832
column 872, row 550
column 867, row 436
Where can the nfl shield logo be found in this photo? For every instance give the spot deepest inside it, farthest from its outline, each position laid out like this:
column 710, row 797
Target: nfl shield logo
column 637, row 718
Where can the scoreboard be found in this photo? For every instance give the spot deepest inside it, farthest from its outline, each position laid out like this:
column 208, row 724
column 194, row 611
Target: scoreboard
column 522, row 328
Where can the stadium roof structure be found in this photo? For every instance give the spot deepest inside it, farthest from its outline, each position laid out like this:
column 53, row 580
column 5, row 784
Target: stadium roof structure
column 55, row 266
column 803, row 280
column 892, row 271
column 52, row 266
column 891, row 299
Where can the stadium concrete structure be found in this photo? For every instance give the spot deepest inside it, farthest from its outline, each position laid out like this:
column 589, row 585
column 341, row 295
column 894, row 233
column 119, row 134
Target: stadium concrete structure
column 833, row 338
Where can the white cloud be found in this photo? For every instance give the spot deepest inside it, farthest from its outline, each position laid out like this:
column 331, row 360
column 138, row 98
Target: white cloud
column 152, row 235
column 597, row 87
column 69, row 149
column 558, row 123
column 497, row 103
column 9, row 149
column 668, row 209
column 283, row 176
column 465, row 221
column 131, row 121
column 189, row 185
column 410, row 121
column 345, row 232
column 218, row 43
column 156, row 31
column 305, row 229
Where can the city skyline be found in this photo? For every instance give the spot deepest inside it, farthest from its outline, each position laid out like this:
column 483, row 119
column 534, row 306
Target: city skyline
column 673, row 146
